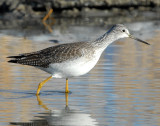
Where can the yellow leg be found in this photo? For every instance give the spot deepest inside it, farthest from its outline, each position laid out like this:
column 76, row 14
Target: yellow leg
column 47, row 16
column 66, row 91
column 41, row 84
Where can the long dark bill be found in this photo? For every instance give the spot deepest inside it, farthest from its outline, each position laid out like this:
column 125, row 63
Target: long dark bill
column 132, row 37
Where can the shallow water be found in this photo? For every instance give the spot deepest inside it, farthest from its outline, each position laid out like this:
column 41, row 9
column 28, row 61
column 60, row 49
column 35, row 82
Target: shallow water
column 123, row 89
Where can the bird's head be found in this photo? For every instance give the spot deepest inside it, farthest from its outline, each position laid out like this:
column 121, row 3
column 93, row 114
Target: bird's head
column 122, row 32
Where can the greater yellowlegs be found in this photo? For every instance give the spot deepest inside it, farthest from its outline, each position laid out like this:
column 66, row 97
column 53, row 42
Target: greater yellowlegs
column 72, row 59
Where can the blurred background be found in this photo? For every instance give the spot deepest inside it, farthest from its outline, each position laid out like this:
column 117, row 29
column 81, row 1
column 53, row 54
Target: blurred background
column 26, row 16
column 124, row 87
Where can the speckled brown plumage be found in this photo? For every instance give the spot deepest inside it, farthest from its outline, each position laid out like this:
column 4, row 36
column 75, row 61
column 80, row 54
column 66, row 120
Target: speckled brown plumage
column 72, row 59
column 54, row 54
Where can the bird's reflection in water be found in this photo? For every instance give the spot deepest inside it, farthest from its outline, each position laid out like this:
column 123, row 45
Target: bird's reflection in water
column 64, row 117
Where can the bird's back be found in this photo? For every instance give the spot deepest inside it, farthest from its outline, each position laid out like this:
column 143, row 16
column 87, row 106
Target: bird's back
column 54, row 54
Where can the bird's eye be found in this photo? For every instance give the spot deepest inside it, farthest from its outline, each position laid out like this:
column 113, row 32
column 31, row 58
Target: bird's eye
column 123, row 30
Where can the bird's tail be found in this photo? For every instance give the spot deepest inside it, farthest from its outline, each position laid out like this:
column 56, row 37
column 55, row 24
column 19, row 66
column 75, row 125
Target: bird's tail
column 16, row 58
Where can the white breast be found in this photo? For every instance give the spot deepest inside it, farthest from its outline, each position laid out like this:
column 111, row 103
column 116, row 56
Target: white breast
column 76, row 67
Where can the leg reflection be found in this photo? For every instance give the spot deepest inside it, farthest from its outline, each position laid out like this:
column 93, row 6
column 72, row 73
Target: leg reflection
column 60, row 116
column 41, row 103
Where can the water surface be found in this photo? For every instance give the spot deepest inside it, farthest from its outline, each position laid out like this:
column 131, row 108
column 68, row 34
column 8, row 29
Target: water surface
column 123, row 89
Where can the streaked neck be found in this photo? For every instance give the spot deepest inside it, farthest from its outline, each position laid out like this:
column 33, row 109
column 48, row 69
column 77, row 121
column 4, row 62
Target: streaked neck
column 105, row 40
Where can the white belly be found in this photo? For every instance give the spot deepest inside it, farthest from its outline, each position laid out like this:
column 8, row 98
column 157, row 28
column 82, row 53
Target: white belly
column 72, row 68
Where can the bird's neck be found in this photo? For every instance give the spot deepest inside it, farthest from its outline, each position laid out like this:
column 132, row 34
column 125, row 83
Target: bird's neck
column 105, row 40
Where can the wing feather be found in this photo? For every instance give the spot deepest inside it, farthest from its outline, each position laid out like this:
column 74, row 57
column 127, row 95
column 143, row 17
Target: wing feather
column 54, row 54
